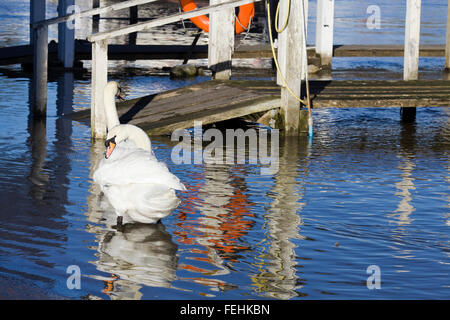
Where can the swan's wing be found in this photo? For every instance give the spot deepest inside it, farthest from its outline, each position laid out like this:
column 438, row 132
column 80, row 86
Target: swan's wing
column 142, row 202
column 136, row 166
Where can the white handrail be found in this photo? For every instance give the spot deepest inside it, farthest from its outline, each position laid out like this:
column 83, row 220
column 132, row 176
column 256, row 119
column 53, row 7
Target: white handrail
column 166, row 20
column 92, row 12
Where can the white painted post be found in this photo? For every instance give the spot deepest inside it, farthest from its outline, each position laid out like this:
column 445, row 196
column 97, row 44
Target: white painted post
column 282, row 40
column 447, row 40
column 324, row 31
column 293, row 57
column 305, row 65
column 411, row 54
column 40, row 65
column 66, row 35
column 221, row 41
column 412, row 36
column 99, row 80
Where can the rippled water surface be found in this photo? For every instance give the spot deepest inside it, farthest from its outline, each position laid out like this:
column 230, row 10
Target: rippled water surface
column 367, row 190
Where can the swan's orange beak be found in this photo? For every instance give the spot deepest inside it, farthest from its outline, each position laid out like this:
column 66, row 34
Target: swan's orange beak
column 121, row 96
column 109, row 149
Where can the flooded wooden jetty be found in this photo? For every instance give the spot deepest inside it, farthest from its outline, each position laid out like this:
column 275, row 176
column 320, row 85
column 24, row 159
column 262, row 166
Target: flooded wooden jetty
column 223, row 99
column 130, row 52
column 219, row 100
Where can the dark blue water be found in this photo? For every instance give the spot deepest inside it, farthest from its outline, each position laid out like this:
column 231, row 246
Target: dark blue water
column 367, row 190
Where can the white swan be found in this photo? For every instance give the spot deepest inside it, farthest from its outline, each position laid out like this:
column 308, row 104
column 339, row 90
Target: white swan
column 138, row 186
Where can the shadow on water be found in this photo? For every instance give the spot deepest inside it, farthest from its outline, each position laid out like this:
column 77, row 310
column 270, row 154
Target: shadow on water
column 138, row 106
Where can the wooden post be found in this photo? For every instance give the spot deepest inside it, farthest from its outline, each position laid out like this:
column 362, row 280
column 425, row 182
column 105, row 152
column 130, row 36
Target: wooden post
column 99, row 80
column 447, row 40
column 324, row 31
column 192, row 47
column 294, row 61
column 305, row 65
column 411, row 53
column 96, row 17
column 40, row 65
column 282, row 40
column 133, row 20
column 221, row 41
column 37, row 13
column 39, row 40
column 66, row 35
column 412, row 36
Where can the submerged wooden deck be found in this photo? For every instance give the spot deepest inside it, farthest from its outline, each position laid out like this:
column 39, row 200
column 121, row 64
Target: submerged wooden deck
column 83, row 51
column 214, row 101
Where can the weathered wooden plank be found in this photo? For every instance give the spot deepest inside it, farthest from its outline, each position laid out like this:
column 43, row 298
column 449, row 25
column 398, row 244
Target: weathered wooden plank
column 282, row 40
column 447, row 39
column 99, row 80
column 40, row 67
column 92, row 12
column 66, row 35
column 221, row 41
column 180, row 115
column 388, row 50
column 384, row 97
column 225, row 113
column 380, row 83
column 377, row 103
column 184, row 98
column 293, row 60
column 324, row 31
column 187, row 104
column 24, row 53
column 214, row 101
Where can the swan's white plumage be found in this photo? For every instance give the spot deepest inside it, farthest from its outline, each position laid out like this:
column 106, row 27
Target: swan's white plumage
column 131, row 165
column 138, row 186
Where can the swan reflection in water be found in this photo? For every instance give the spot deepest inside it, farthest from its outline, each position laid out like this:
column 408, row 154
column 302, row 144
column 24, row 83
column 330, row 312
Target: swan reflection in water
column 140, row 254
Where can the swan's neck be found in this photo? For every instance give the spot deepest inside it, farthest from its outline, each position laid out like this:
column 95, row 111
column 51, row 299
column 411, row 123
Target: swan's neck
column 109, row 100
column 138, row 136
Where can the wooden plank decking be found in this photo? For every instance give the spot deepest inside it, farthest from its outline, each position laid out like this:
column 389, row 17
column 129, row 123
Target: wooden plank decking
column 209, row 102
column 214, row 101
column 380, row 93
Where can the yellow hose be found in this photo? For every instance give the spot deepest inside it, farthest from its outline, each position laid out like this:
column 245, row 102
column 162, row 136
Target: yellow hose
column 307, row 103
column 286, row 19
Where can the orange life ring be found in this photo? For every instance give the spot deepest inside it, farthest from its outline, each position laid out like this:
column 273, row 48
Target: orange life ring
column 246, row 13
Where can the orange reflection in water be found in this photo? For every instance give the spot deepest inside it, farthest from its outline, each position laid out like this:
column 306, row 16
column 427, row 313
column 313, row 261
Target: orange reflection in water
column 215, row 215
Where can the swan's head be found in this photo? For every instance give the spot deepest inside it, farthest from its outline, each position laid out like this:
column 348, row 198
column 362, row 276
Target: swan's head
column 110, row 144
column 115, row 88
